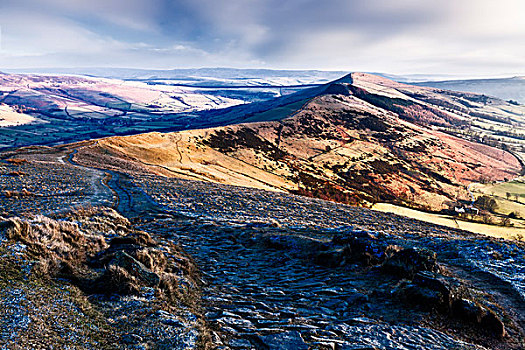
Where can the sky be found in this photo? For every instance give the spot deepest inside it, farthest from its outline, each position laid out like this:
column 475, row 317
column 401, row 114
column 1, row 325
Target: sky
column 449, row 37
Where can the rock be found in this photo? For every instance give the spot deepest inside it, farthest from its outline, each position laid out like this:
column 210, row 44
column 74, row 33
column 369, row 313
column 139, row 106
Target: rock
column 331, row 258
column 424, row 297
column 471, row 311
column 135, row 268
column 445, row 287
column 240, row 344
column 236, row 322
column 357, row 246
column 493, row 324
column 468, row 310
column 286, row 340
column 408, row 262
column 331, row 291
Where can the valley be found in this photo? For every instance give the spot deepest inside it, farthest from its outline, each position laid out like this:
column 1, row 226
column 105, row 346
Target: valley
column 56, row 109
column 262, row 175
column 515, row 230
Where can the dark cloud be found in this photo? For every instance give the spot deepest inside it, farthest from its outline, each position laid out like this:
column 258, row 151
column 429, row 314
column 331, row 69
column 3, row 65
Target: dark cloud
column 403, row 36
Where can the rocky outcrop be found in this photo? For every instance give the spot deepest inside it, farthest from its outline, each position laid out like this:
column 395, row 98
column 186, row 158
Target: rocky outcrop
column 408, row 262
column 424, row 282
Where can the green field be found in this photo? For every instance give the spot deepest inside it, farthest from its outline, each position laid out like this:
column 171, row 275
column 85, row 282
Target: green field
column 515, row 202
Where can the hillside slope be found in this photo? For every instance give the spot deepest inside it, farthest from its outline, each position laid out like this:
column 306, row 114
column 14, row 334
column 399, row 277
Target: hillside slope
column 359, row 140
column 182, row 264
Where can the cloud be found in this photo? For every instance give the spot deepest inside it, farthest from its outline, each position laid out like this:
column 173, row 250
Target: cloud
column 469, row 37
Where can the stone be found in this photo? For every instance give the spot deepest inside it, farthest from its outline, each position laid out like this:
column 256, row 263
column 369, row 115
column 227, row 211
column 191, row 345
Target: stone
column 408, row 262
column 360, row 246
column 236, row 322
column 487, row 319
column 424, row 297
column 445, row 287
column 468, row 310
column 240, row 344
column 135, row 268
column 493, row 324
column 286, row 340
column 331, row 291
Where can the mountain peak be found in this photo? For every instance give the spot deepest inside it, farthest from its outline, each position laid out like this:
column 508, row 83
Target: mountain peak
column 359, row 77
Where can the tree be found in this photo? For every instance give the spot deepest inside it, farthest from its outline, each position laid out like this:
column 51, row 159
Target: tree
column 486, row 219
column 508, row 195
column 505, row 221
column 486, row 203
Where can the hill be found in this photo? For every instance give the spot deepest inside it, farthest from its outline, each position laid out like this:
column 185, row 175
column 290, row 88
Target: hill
column 359, row 140
column 505, row 88
column 54, row 109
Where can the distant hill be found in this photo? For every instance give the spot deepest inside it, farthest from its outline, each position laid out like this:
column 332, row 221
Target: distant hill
column 53, row 109
column 507, row 88
column 222, row 76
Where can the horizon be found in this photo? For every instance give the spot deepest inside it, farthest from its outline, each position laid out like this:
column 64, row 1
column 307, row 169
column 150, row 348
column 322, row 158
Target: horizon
column 402, row 77
column 465, row 39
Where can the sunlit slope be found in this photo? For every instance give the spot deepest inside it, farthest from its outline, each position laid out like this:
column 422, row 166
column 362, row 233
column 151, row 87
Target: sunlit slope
column 360, row 140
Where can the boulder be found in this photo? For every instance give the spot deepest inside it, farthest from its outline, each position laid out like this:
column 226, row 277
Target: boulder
column 426, row 298
column 136, row 269
column 447, row 288
column 468, row 310
column 361, row 246
column 493, row 324
column 408, row 262
column 487, row 319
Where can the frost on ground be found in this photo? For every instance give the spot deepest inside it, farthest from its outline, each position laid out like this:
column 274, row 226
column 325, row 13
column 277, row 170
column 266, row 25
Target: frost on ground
column 275, row 270
column 88, row 280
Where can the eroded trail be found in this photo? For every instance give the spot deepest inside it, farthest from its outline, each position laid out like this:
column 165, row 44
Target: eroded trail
column 128, row 199
column 259, row 295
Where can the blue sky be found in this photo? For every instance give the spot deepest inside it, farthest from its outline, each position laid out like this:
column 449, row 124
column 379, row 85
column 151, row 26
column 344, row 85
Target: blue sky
column 456, row 37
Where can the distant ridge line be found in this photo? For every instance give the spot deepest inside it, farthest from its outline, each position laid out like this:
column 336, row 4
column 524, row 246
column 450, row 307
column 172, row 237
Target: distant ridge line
column 233, row 86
